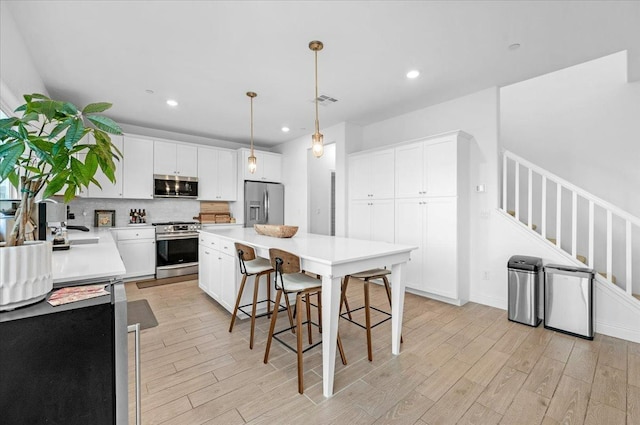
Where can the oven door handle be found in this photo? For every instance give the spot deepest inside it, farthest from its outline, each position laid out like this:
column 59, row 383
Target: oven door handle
column 176, row 237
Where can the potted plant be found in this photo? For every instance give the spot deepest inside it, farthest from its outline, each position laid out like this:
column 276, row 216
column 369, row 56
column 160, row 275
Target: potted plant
column 46, row 152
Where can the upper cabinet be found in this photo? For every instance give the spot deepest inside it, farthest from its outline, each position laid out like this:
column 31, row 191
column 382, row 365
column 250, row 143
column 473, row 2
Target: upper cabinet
column 269, row 166
column 371, row 175
column 175, row 159
column 217, row 175
column 428, row 168
column 137, row 168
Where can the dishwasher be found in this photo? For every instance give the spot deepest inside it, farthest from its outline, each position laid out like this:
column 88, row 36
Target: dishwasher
column 568, row 300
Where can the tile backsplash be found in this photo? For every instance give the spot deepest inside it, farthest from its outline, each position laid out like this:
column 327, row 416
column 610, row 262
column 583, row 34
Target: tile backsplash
column 157, row 209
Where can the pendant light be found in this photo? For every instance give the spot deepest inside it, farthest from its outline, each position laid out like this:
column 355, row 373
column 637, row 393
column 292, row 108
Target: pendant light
column 316, row 140
column 252, row 158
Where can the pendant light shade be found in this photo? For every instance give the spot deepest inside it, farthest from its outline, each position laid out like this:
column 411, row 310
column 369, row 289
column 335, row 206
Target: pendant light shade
column 317, row 146
column 252, row 158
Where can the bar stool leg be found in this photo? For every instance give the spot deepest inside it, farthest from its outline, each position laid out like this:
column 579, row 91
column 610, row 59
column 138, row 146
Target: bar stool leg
column 256, row 286
column 235, row 309
column 343, row 298
column 269, row 295
column 274, row 317
column 299, row 340
column 286, row 300
column 319, row 311
column 367, row 313
column 341, row 350
column 306, row 298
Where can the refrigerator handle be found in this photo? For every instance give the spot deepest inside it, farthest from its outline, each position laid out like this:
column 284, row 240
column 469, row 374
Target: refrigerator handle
column 266, row 205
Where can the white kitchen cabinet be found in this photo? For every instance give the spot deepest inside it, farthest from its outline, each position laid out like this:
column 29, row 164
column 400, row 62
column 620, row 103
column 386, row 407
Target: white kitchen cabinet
column 137, row 168
column 217, row 269
column 431, row 225
column 370, row 220
column 430, row 201
column 109, row 189
column 427, row 168
column 217, row 175
column 137, row 247
column 371, row 175
column 175, row 159
column 269, row 166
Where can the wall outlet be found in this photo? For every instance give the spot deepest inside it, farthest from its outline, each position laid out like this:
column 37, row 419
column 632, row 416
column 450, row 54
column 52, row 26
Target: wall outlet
column 485, row 214
column 486, row 275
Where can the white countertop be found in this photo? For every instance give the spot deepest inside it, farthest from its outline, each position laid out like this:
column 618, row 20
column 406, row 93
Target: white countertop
column 90, row 261
column 330, row 250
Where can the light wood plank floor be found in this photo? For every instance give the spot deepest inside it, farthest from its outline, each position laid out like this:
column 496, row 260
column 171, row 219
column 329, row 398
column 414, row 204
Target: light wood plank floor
column 466, row 365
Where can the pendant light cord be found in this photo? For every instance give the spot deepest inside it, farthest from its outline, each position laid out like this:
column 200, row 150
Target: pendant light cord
column 316, row 63
column 251, row 126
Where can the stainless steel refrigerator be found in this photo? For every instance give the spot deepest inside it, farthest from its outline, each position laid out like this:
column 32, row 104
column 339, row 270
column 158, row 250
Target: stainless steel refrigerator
column 263, row 203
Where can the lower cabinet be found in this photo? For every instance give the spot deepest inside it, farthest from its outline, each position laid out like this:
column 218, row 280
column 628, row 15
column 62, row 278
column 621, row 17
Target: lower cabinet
column 137, row 249
column 217, row 269
column 218, row 273
column 437, row 266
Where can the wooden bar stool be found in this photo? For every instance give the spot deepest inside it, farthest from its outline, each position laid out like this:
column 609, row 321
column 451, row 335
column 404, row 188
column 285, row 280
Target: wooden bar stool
column 250, row 265
column 366, row 276
column 289, row 279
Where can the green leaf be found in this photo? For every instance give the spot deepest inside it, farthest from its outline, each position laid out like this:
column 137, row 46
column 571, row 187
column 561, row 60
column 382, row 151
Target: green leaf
column 75, row 132
column 39, row 96
column 9, row 157
column 70, row 193
column 55, row 184
column 8, row 122
column 79, row 172
column 105, row 124
column 14, row 179
column 94, row 108
column 31, row 116
column 60, row 162
column 60, row 128
column 91, row 163
column 7, row 133
column 69, row 108
column 48, row 108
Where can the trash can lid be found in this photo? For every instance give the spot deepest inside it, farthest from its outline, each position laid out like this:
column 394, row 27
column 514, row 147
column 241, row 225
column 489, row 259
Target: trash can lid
column 552, row 268
column 524, row 262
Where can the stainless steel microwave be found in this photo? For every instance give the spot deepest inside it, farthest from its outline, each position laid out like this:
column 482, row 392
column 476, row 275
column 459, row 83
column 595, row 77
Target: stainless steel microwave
column 174, row 186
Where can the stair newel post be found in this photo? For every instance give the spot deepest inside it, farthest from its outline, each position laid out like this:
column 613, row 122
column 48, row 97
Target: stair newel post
column 517, row 188
column 558, row 215
column 504, row 181
column 629, row 280
column 591, row 260
column 543, row 229
column 574, row 224
column 609, row 245
column 530, row 198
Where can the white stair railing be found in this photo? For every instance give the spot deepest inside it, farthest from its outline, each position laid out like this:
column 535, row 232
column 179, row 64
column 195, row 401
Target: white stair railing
column 541, row 203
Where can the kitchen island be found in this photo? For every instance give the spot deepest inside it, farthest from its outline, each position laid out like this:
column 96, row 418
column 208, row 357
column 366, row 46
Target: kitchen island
column 332, row 258
column 68, row 364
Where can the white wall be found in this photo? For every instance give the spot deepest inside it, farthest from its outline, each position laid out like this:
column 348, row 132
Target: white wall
column 295, row 175
column 18, row 74
column 319, row 189
column 581, row 123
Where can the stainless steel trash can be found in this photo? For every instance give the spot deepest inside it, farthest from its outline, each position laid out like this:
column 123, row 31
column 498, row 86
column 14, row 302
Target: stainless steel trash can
column 568, row 300
column 525, row 276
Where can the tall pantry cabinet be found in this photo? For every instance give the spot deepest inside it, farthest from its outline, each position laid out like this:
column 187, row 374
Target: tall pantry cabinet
column 427, row 208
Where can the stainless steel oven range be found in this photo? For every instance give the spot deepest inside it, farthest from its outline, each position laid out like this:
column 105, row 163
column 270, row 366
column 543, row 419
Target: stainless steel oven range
column 176, row 248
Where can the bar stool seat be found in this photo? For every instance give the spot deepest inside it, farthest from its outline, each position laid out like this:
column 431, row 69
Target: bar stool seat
column 250, row 265
column 366, row 276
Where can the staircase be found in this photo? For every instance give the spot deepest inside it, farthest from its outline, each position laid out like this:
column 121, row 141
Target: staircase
column 586, row 229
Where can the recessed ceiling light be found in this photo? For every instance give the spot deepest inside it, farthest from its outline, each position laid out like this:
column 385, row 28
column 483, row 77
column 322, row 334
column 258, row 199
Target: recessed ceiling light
column 514, row 46
column 413, row 74
column 285, row 129
column 172, row 102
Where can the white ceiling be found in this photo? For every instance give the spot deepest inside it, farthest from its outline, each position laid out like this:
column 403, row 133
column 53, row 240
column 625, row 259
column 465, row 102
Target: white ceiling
column 207, row 55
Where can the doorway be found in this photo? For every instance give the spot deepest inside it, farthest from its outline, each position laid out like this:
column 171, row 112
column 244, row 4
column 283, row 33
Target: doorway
column 321, row 191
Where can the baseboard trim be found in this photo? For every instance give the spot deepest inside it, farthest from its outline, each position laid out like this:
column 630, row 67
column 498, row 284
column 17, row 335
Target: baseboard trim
column 490, row 301
column 618, row 332
column 453, row 301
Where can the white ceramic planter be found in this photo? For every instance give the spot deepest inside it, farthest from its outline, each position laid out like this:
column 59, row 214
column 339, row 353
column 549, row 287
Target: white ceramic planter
column 25, row 274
